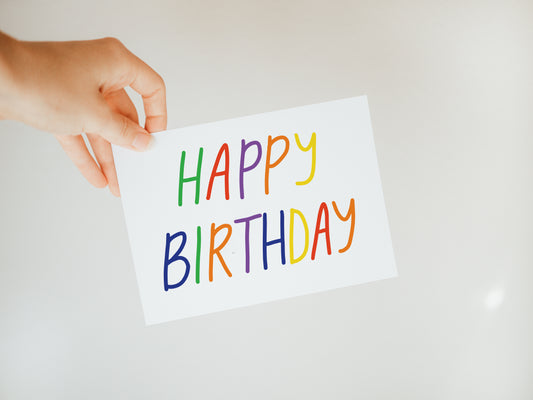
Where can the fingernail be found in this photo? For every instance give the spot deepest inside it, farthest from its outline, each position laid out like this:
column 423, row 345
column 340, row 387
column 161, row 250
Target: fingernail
column 141, row 142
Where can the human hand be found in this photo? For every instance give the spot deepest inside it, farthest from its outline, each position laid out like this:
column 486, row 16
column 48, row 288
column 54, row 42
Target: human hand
column 70, row 88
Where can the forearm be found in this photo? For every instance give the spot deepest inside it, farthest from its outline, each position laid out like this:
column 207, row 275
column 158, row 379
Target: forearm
column 10, row 50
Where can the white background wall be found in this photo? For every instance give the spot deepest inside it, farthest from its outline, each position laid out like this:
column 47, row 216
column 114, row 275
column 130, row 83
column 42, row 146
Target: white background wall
column 450, row 86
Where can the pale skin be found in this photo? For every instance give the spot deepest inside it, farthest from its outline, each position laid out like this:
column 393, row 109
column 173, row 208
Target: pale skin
column 75, row 88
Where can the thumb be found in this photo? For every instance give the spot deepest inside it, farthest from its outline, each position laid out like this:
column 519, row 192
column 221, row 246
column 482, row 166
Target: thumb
column 120, row 130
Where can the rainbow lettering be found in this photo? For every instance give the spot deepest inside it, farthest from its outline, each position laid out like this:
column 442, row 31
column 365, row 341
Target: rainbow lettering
column 278, row 245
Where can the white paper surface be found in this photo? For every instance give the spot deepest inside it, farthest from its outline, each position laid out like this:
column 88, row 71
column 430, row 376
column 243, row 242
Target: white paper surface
column 345, row 168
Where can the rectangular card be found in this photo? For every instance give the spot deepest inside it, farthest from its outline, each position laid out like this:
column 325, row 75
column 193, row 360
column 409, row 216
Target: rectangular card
column 255, row 209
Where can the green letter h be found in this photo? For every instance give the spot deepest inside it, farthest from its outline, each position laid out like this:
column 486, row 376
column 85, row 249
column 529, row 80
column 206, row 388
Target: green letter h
column 195, row 178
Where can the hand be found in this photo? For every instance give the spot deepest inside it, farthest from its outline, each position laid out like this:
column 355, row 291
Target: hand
column 70, row 88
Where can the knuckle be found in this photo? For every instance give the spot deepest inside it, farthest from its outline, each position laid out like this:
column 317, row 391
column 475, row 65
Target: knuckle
column 112, row 42
column 106, row 162
column 161, row 82
column 114, row 47
column 123, row 129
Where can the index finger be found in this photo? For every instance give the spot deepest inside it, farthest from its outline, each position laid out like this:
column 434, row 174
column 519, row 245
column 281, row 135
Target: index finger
column 151, row 87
